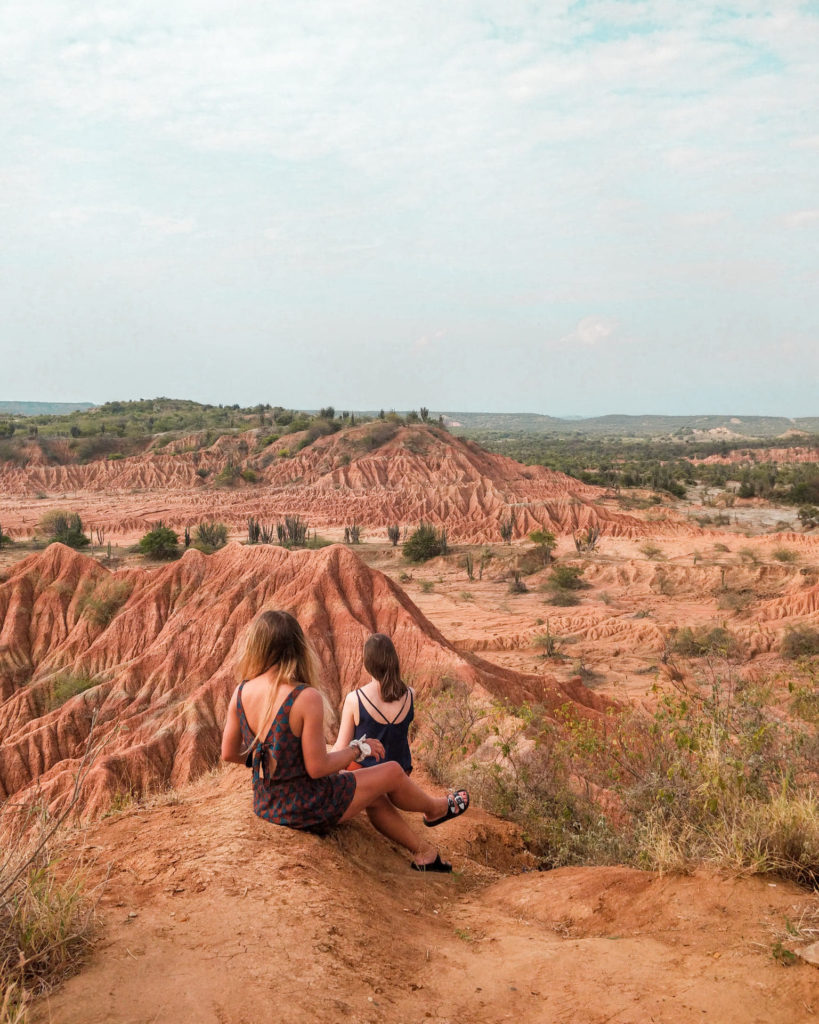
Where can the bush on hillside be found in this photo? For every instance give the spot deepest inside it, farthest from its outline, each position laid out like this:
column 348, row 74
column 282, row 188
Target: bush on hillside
column 58, row 526
column 424, row 543
column 712, row 775
column 161, row 542
column 567, row 577
column 800, row 642
column 718, row 642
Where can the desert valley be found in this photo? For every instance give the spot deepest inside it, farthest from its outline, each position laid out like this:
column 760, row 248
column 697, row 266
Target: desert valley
column 623, row 672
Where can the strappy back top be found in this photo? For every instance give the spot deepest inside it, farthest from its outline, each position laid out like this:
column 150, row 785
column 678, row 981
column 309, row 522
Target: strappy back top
column 283, row 792
column 393, row 734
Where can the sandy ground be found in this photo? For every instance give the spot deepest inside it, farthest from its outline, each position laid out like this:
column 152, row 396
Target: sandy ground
column 210, row 915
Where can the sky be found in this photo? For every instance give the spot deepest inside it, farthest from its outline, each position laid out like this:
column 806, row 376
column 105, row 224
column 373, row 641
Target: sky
column 606, row 206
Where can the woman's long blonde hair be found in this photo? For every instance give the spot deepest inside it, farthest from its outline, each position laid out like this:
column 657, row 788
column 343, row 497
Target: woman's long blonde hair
column 275, row 639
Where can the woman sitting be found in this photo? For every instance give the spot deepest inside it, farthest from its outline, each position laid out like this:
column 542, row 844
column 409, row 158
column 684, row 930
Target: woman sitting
column 277, row 715
column 383, row 708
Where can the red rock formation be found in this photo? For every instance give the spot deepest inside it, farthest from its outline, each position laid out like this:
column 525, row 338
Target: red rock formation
column 160, row 649
column 358, row 476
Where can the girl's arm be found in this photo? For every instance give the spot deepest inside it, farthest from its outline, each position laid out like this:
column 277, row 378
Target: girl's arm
column 346, row 729
column 317, row 759
column 232, row 735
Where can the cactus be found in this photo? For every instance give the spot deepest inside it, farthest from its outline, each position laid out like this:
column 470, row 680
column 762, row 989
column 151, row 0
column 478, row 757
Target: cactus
column 507, row 528
column 292, row 533
column 469, row 565
column 394, row 533
column 352, row 534
column 586, row 540
column 187, row 536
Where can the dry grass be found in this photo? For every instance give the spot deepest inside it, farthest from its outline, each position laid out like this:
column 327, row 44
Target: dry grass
column 713, row 774
column 46, row 915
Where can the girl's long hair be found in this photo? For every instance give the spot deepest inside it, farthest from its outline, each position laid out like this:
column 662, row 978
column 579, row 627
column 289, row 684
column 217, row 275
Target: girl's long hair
column 381, row 661
column 275, row 639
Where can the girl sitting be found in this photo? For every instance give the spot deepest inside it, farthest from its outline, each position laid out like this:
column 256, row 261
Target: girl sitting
column 382, row 709
column 277, row 715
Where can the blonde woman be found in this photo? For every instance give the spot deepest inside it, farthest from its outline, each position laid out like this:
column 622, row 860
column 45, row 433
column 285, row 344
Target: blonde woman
column 277, row 715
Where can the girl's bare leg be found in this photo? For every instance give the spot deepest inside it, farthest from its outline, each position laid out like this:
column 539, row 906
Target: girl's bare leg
column 384, row 817
column 390, row 779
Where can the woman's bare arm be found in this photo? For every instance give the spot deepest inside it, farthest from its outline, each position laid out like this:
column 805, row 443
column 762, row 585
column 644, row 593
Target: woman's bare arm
column 317, row 759
column 346, row 729
column 232, row 735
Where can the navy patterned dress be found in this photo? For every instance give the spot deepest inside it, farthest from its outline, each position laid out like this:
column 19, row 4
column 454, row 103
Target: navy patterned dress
column 283, row 792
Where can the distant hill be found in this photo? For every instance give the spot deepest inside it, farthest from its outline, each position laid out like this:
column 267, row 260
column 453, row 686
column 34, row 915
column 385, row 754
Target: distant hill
column 633, row 426
column 43, row 408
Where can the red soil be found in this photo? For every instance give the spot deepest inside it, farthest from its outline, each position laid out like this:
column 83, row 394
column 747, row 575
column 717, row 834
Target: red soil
column 163, row 667
column 419, row 474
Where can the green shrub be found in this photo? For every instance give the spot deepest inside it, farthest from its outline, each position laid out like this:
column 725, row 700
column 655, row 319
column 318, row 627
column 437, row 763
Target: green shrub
column 703, row 642
column 567, row 577
column 227, row 476
column 316, row 542
column 160, row 542
column 424, row 543
column 651, row 550
column 58, row 526
column 65, row 686
column 787, row 555
column 808, row 516
column 203, row 472
column 800, row 642
column 105, row 601
column 249, row 475
column 4, row 538
column 564, row 599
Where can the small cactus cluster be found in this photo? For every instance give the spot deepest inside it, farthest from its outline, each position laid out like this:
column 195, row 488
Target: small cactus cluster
column 257, row 533
column 394, row 533
column 586, row 540
column 352, row 534
column 292, row 533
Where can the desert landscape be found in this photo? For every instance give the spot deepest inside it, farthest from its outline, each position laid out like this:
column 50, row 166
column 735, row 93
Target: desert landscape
column 625, row 676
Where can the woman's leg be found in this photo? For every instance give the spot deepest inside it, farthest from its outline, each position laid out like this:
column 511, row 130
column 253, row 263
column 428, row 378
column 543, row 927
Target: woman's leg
column 386, row 818
column 390, row 779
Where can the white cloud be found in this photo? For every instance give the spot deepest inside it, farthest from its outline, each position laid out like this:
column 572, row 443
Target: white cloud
column 801, row 218
column 592, row 331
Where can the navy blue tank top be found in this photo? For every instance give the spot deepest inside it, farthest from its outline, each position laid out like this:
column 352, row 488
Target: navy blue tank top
column 394, row 735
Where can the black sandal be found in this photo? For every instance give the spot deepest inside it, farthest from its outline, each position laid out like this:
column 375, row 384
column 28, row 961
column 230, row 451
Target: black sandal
column 458, row 803
column 436, row 865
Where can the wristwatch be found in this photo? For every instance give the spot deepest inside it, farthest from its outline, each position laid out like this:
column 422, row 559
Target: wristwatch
column 364, row 748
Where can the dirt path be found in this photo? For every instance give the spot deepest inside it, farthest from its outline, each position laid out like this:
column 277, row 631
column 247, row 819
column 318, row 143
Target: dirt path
column 210, row 915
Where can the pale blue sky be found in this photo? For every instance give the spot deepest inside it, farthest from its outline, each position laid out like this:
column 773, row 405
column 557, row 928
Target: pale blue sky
column 565, row 208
